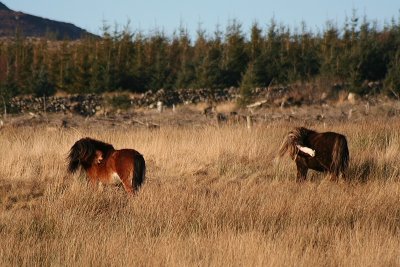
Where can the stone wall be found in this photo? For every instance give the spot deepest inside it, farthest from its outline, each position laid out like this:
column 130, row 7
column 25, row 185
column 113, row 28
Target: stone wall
column 85, row 105
column 88, row 105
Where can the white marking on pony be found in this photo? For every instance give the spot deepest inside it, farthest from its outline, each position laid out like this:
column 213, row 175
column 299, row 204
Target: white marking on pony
column 306, row 150
column 115, row 179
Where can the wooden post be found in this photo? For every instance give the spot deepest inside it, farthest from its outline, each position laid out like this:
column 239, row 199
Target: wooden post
column 367, row 108
column 44, row 104
column 249, row 122
column 5, row 107
column 160, row 106
column 350, row 114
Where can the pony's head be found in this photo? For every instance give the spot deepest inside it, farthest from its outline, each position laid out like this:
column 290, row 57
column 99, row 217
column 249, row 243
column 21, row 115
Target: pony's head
column 85, row 152
column 293, row 140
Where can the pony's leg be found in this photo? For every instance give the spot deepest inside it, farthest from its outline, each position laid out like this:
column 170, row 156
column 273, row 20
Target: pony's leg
column 335, row 174
column 126, row 182
column 128, row 188
column 301, row 172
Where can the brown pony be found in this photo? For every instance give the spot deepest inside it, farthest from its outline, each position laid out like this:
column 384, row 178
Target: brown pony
column 104, row 164
column 323, row 152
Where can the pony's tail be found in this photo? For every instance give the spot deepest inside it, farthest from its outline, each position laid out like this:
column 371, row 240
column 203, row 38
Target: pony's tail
column 139, row 171
column 340, row 156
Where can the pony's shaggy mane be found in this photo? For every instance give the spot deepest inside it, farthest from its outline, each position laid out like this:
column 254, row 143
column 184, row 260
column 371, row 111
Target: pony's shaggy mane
column 294, row 138
column 83, row 152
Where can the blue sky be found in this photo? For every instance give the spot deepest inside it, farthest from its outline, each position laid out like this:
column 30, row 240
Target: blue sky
column 168, row 15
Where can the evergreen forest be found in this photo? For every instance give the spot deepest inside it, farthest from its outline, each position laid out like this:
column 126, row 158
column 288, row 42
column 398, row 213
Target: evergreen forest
column 352, row 54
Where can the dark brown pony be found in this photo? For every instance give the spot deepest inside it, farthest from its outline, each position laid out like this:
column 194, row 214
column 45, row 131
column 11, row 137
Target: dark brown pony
column 323, row 152
column 104, row 164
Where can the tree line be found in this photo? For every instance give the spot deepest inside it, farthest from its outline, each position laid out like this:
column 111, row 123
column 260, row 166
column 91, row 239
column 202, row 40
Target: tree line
column 353, row 54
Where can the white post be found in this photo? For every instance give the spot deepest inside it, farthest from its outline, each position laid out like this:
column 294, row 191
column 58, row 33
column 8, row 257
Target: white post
column 249, row 122
column 160, row 106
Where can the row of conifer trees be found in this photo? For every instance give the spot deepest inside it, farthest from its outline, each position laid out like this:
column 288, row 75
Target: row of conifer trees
column 356, row 52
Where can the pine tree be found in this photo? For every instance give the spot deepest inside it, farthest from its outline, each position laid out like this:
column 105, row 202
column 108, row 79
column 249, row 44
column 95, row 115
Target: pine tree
column 139, row 68
column 275, row 55
column 235, row 56
column 186, row 69
column 330, row 51
column 392, row 80
column 157, row 61
column 83, row 75
column 124, row 59
column 106, row 59
column 8, row 88
column 211, row 75
column 309, row 55
column 247, row 85
column 175, row 60
column 257, row 57
column 200, row 51
column 42, row 85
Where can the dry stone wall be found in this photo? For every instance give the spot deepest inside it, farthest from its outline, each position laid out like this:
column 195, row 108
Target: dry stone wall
column 90, row 104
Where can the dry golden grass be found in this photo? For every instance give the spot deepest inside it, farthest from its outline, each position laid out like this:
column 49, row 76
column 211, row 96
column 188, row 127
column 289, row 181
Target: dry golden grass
column 214, row 196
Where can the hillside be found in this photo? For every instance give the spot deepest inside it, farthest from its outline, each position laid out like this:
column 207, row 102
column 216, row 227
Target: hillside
column 34, row 26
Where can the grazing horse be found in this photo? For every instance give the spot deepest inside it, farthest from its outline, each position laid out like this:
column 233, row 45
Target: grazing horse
column 323, row 152
column 104, row 164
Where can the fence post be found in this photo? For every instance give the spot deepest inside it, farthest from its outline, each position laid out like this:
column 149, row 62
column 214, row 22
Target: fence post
column 160, row 106
column 249, row 122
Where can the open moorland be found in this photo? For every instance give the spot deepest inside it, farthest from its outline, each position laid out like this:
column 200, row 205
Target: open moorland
column 215, row 192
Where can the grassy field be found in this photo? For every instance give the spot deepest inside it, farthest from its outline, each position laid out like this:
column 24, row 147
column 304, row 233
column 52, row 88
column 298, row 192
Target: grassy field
column 213, row 196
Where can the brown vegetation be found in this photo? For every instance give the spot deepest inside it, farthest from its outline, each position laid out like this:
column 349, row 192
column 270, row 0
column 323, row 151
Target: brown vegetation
column 214, row 196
